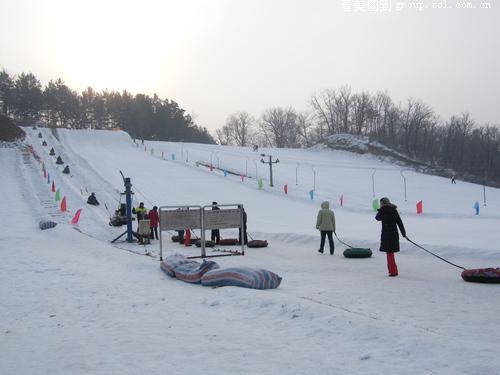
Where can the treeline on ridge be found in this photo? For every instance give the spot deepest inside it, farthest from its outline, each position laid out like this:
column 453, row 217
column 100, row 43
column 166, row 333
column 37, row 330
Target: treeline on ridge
column 455, row 146
column 26, row 101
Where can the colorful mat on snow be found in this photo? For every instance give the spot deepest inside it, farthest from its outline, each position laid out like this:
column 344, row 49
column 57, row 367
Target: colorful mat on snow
column 243, row 277
column 186, row 270
column 482, row 275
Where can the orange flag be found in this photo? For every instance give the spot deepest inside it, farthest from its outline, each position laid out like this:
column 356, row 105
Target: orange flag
column 63, row 205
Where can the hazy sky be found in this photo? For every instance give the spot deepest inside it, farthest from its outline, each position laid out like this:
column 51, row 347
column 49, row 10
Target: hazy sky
column 215, row 57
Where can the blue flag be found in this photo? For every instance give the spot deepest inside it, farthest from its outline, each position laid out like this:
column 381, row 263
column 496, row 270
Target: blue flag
column 311, row 194
column 225, row 173
column 476, row 207
column 173, row 156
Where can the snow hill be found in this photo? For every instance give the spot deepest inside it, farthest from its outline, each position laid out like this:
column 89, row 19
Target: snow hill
column 73, row 303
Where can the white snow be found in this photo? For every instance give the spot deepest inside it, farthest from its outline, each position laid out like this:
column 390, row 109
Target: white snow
column 72, row 303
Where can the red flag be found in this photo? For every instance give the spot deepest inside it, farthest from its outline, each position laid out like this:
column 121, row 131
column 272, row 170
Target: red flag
column 75, row 219
column 285, row 188
column 63, row 205
column 187, row 239
column 211, row 167
column 242, row 178
column 44, row 173
column 342, row 200
column 53, row 187
column 420, row 207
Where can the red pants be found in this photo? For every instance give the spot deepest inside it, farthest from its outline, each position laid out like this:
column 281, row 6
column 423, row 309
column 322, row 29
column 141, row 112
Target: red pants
column 391, row 264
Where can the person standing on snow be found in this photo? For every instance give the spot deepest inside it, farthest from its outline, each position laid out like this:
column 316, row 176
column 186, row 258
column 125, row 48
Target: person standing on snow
column 325, row 223
column 389, row 238
column 153, row 222
column 215, row 235
column 140, row 213
column 245, row 235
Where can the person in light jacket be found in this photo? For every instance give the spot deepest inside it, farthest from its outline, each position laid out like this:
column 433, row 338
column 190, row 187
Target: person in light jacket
column 325, row 223
column 389, row 238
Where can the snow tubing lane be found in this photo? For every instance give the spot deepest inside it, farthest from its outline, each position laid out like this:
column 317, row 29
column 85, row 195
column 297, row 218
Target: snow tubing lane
column 357, row 252
column 229, row 241
column 257, row 243
column 482, row 275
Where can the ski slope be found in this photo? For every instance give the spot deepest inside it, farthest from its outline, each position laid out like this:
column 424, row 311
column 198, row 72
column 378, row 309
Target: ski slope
column 72, row 303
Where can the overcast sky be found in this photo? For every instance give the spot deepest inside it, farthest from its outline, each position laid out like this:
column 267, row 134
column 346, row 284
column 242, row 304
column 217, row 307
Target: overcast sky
column 215, row 57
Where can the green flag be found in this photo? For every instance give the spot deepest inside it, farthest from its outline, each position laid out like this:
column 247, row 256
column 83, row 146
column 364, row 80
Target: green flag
column 58, row 196
column 260, row 183
column 375, row 204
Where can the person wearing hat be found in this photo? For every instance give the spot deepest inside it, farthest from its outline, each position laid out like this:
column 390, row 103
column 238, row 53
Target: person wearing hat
column 215, row 235
column 325, row 223
column 389, row 237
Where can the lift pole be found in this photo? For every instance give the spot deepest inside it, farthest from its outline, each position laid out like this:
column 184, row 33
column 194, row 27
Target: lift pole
column 270, row 162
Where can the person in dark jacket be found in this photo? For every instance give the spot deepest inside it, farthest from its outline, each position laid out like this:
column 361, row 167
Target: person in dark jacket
column 215, row 235
column 92, row 200
column 389, row 238
column 245, row 236
column 153, row 222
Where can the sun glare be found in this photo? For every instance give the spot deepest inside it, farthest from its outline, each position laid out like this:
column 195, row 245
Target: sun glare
column 117, row 45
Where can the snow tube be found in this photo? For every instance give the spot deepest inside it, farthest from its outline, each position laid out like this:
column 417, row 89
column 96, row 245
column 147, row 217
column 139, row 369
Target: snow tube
column 357, row 252
column 208, row 243
column 241, row 276
column 192, row 272
column 482, row 275
column 257, row 243
column 175, row 238
column 186, row 270
column 229, row 241
column 46, row 224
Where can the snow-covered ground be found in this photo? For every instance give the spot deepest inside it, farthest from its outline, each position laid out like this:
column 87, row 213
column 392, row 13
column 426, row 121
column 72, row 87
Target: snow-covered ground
column 72, row 303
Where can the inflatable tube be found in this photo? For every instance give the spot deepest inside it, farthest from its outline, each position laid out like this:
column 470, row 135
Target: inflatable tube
column 357, row 252
column 208, row 243
column 243, row 277
column 257, row 243
column 229, row 241
column 482, row 275
column 175, row 238
column 46, row 224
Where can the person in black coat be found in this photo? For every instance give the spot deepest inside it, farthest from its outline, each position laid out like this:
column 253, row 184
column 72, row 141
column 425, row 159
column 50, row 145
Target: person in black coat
column 245, row 236
column 93, row 200
column 215, row 235
column 389, row 238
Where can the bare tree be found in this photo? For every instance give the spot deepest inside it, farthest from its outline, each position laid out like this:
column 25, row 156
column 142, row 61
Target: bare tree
column 281, row 125
column 240, row 127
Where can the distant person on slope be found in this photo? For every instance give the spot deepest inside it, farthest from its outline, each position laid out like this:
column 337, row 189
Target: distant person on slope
column 153, row 222
column 389, row 238
column 325, row 223
column 92, row 200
